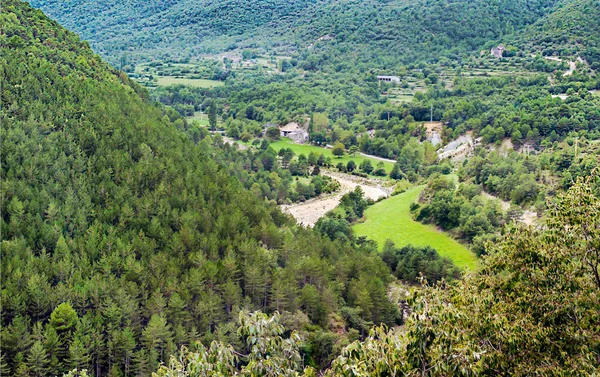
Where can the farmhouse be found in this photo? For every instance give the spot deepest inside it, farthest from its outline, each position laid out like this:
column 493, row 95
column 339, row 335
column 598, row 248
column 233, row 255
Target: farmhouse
column 295, row 132
column 394, row 79
column 497, row 51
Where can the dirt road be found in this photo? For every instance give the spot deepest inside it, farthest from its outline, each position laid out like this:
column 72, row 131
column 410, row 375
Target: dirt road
column 309, row 212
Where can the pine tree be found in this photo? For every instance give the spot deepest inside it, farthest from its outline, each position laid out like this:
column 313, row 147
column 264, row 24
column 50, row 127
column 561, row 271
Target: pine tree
column 141, row 363
column 63, row 320
column 79, row 355
column 127, row 346
column 51, row 344
column 20, row 369
column 37, row 361
column 15, row 338
column 231, row 293
column 157, row 335
column 4, row 369
column 396, row 173
column 176, row 309
column 279, row 298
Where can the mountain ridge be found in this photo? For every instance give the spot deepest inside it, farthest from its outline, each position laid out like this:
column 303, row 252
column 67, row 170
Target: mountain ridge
column 423, row 30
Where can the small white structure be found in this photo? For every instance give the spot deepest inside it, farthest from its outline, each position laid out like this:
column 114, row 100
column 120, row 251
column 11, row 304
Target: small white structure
column 394, row 79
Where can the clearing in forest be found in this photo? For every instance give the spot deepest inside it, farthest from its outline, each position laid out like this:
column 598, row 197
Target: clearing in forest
column 199, row 83
column 201, row 118
column 309, row 212
column 307, row 148
column 391, row 218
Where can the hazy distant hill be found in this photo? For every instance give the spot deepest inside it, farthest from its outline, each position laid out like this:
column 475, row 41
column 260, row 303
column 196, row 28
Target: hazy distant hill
column 382, row 32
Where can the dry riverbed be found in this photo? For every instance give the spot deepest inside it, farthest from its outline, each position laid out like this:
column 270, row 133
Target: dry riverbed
column 307, row 213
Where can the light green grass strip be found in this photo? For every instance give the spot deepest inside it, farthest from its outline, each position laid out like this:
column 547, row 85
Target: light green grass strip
column 391, row 218
column 200, row 83
column 306, row 149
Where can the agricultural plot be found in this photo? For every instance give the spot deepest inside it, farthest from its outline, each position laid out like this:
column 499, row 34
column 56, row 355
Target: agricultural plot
column 391, row 219
column 415, row 81
column 400, row 95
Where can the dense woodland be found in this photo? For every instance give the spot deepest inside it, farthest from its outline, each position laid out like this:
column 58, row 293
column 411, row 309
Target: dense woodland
column 532, row 309
column 123, row 239
column 369, row 33
column 131, row 233
column 571, row 29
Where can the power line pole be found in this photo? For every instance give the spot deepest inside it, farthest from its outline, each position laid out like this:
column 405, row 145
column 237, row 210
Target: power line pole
column 431, row 113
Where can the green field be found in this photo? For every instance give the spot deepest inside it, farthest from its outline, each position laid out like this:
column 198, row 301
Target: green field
column 401, row 98
column 306, row 149
column 199, row 117
column 200, row 83
column 391, row 218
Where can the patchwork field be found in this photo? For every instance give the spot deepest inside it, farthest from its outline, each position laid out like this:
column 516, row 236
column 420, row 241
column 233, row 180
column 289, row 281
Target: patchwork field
column 398, row 95
column 391, row 218
column 306, row 149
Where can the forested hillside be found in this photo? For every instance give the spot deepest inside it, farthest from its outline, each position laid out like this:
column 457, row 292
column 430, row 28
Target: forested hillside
column 124, row 239
column 532, row 310
column 374, row 32
column 174, row 28
column 134, row 240
column 571, row 29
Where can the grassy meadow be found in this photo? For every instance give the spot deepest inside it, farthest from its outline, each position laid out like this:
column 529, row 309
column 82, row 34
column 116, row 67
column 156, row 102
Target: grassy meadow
column 391, row 218
column 306, row 149
column 201, row 118
column 199, row 83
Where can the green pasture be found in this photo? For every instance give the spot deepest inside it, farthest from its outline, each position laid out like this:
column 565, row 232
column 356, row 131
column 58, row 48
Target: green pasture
column 200, row 83
column 199, row 117
column 391, row 218
column 306, row 149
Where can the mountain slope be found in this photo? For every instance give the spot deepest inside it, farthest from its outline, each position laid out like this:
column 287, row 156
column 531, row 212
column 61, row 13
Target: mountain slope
column 385, row 32
column 569, row 30
column 122, row 239
column 403, row 30
column 174, row 27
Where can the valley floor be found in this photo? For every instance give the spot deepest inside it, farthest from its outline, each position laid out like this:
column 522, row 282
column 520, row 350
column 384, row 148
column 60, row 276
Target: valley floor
column 392, row 219
column 309, row 212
